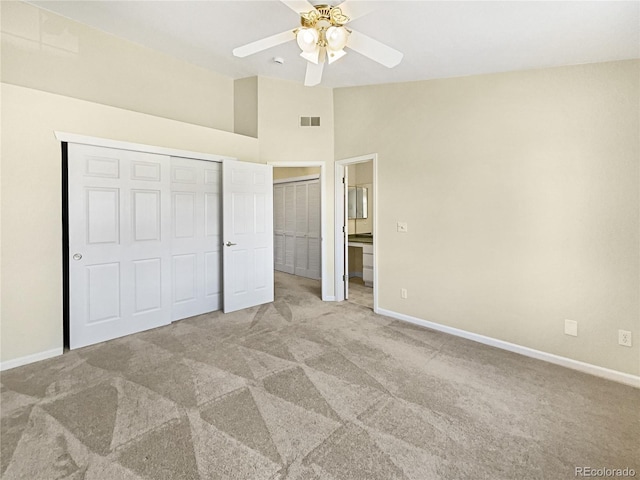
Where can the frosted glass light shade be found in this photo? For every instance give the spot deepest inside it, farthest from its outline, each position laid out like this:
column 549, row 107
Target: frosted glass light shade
column 307, row 39
column 336, row 38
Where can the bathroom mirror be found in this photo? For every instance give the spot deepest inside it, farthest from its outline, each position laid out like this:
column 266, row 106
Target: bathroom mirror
column 357, row 202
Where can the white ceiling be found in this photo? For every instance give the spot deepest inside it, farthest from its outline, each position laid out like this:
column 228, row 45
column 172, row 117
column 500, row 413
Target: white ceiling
column 439, row 39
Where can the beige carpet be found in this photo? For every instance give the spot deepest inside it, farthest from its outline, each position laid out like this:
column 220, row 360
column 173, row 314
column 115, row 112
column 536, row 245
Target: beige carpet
column 359, row 293
column 301, row 389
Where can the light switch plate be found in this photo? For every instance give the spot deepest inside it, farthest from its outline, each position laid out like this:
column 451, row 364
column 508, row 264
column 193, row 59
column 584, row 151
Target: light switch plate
column 402, row 227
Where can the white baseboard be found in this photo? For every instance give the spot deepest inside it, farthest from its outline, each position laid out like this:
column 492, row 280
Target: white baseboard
column 616, row 376
column 36, row 357
column 329, row 298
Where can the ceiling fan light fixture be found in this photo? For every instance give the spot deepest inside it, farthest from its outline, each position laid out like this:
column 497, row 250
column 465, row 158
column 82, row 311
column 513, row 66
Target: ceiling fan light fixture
column 307, row 39
column 336, row 38
column 322, row 37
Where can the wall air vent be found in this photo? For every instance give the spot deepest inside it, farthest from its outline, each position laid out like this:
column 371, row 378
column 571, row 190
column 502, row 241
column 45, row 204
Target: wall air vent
column 309, row 121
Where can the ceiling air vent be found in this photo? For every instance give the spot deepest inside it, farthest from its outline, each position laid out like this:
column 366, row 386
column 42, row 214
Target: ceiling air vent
column 309, row 121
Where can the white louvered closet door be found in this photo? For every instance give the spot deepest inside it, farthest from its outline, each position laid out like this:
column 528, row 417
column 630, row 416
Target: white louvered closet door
column 297, row 232
column 289, row 228
column 302, row 228
column 313, row 229
column 278, row 227
column 284, row 232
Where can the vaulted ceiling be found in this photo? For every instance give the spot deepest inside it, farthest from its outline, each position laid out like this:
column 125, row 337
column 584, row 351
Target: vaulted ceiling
column 438, row 39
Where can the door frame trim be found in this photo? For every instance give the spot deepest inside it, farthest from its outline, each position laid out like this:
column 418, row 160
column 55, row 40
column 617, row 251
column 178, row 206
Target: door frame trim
column 324, row 273
column 340, row 240
column 304, row 178
column 66, row 330
column 137, row 147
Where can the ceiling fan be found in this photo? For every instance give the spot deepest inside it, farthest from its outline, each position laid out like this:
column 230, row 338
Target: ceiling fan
column 322, row 37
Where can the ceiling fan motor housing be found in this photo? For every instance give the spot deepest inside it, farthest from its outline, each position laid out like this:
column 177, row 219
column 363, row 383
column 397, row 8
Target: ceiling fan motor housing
column 326, row 14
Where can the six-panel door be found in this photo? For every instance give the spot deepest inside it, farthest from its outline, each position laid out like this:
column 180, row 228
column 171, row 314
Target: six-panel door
column 119, row 243
column 145, row 240
column 247, row 234
column 196, row 250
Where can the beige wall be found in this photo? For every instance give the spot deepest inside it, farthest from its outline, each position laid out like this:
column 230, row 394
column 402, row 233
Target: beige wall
column 60, row 75
column 31, row 261
column 521, row 193
column 245, row 106
column 364, row 172
column 280, row 106
column 280, row 173
column 45, row 51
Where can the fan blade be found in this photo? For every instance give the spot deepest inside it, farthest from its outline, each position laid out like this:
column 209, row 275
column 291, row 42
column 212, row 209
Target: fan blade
column 379, row 52
column 355, row 10
column 259, row 45
column 299, row 6
column 314, row 74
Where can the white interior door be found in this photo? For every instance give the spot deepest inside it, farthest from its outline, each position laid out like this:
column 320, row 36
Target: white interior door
column 344, row 204
column 341, row 260
column 119, row 243
column 196, row 250
column 283, row 227
column 248, row 234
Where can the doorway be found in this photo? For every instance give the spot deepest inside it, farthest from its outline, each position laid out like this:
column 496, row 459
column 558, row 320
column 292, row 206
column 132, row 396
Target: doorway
column 299, row 221
column 359, row 289
column 296, row 229
column 356, row 230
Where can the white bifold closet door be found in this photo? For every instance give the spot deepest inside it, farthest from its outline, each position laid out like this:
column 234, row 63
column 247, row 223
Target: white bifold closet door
column 146, row 239
column 297, row 242
column 196, row 242
column 119, row 243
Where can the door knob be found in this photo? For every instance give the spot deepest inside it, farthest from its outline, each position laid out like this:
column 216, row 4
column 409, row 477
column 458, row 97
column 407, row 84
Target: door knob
column 228, row 244
column 77, row 256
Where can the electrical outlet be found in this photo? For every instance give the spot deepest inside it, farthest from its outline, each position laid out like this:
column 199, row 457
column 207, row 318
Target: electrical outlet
column 624, row 338
column 571, row 328
column 402, row 227
column 403, row 292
